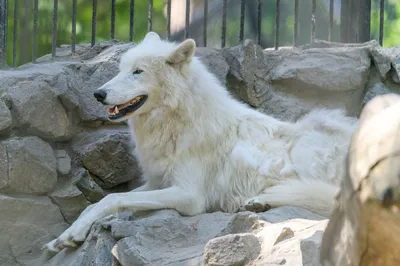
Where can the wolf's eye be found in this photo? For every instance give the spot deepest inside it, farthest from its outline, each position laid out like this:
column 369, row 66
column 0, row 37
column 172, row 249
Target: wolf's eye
column 137, row 71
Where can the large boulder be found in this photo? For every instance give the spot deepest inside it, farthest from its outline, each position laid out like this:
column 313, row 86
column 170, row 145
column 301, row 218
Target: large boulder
column 206, row 239
column 5, row 119
column 37, row 111
column 290, row 82
column 243, row 248
column 29, row 166
column 26, row 224
column 89, row 188
column 70, row 200
column 214, row 61
column 109, row 156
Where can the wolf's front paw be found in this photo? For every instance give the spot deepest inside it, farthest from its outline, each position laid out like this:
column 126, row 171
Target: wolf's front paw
column 255, row 205
column 71, row 237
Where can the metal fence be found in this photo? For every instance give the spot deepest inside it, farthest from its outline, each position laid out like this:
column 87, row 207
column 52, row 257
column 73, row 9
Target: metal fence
column 355, row 21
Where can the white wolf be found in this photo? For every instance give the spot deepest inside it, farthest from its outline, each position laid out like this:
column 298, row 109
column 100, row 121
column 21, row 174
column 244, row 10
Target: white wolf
column 201, row 150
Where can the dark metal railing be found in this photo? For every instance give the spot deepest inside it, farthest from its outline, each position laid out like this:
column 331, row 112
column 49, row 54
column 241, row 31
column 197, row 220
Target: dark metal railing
column 353, row 12
column 277, row 23
column 296, row 22
column 223, row 33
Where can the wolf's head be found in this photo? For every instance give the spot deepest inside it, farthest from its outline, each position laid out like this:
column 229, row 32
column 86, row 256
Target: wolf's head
column 148, row 72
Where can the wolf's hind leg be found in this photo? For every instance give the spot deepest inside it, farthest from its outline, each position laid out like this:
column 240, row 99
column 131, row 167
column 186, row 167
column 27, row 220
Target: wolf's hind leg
column 255, row 204
column 311, row 194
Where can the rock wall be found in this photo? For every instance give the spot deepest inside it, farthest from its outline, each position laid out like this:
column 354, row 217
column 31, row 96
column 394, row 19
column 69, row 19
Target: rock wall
column 58, row 154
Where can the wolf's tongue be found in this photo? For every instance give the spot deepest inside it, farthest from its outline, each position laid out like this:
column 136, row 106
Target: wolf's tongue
column 122, row 106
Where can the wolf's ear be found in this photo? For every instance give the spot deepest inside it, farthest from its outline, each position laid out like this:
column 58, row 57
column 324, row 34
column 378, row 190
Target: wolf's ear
column 183, row 53
column 151, row 35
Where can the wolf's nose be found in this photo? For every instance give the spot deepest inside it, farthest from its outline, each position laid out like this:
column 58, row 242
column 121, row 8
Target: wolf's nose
column 100, row 95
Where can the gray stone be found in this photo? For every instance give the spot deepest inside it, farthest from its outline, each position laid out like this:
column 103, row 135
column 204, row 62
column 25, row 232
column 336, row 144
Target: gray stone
column 167, row 230
column 109, row 156
column 232, row 250
column 95, row 251
column 182, row 240
column 31, row 166
column 289, row 83
column 70, row 201
column 63, row 162
column 387, row 60
column 37, row 111
column 214, row 61
column 3, row 167
column 376, row 87
column 5, row 119
column 27, row 224
column 87, row 186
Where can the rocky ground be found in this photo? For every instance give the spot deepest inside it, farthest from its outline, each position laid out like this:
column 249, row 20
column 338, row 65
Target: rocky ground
column 58, row 154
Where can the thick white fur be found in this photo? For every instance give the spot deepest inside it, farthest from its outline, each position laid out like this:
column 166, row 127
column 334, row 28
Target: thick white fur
column 203, row 151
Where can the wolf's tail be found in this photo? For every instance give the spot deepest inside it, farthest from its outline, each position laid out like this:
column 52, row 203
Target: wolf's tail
column 314, row 195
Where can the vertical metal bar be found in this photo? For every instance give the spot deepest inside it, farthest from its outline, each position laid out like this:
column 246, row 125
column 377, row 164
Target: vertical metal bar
column 277, row 18
column 6, row 19
column 313, row 10
column 223, row 29
column 94, row 13
column 381, row 21
column 364, row 21
column 169, row 19
column 3, row 34
column 73, row 37
column 242, row 10
column 330, row 32
column 259, row 20
column 187, row 13
column 54, row 33
column 296, row 22
column 131, row 19
column 34, row 31
column 354, row 19
column 150, row 16
column 23, row 44
column 112, row 28
column 344, row 21
column 205, row 17
column 15, row 33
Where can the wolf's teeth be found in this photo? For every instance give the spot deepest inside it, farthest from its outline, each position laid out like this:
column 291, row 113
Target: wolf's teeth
column 116, row 111
column 136, row 99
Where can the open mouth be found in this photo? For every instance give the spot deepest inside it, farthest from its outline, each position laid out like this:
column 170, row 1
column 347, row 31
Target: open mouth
column 119, row 111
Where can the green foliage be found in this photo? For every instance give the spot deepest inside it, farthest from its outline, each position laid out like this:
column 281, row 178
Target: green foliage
column 84, row 24
column 391, row 29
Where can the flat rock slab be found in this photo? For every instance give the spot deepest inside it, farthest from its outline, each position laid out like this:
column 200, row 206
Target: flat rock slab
column 167, row 238
column 26, row 224
column 29, row 166
column 108, row 155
